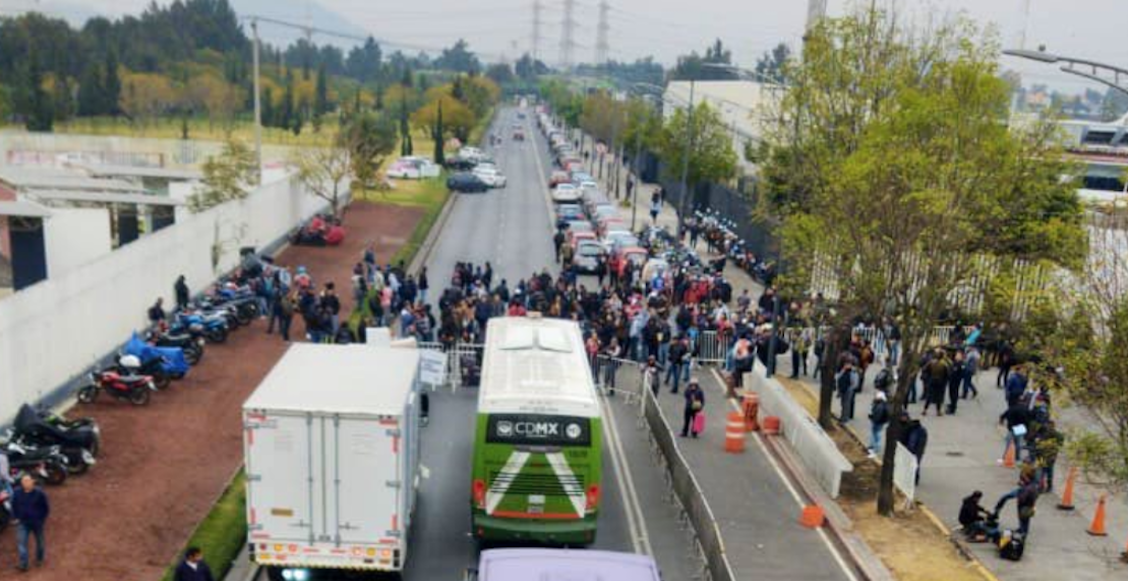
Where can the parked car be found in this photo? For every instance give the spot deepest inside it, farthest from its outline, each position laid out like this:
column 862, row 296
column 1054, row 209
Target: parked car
column 458, row 163
column 491, row 176
column 569, row 212
column 587, row 255
column 579, row 237
column 558, row 177
column 589, row 187
column 413, row 168
column 565, row 194
column 576, row 226
column 467, row 183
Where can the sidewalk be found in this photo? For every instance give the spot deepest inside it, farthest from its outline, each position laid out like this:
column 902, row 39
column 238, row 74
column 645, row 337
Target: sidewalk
column 962, row 456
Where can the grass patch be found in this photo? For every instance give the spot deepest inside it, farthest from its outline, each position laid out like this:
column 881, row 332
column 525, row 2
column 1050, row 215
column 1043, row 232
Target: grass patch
column 198, row 128
column 223, row 531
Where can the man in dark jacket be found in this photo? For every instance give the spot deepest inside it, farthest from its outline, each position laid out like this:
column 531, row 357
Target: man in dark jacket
column 914, row 436
column 30, row 510
column 193, row 567
column 181, row 289
column 679, row 350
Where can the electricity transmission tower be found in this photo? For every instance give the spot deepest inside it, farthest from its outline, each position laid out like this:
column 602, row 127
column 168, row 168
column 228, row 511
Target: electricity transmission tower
column 535, row 44
column 567, row 30
column 602, row 48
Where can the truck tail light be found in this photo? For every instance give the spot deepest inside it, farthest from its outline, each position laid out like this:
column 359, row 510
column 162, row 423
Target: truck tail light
column 593, row 497
column 479, row 492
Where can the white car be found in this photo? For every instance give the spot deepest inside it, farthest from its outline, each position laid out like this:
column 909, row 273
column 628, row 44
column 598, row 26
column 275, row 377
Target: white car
column 472, row 153
column 490, row 175
column 587, row 186
column 413, row 168
column 565, row 194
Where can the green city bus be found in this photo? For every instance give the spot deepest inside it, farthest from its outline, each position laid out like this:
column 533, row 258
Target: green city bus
column 538, row 441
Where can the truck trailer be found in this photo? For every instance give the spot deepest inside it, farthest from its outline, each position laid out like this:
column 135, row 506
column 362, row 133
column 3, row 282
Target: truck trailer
column 331, row 448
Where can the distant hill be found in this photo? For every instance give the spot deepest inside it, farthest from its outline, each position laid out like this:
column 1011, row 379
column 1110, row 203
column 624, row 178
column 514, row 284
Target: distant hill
column 295, row 11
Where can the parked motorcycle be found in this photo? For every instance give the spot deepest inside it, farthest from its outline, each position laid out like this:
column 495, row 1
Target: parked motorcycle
column 168, row 360
column 135, row 389
column 215, row 326
column 45, row 462
column 154, row 368
column 79, row 442
column 193, row 347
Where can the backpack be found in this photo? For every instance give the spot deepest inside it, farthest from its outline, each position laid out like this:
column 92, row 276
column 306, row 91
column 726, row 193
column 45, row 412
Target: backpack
column 883, row 380
column 1011, row 546
column 880, row 412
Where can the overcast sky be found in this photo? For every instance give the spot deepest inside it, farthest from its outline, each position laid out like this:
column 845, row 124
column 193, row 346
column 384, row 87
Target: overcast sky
column 667, row 28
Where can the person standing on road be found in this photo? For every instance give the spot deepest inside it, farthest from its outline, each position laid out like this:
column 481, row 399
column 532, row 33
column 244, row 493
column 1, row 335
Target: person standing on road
column 558, row 242
column 935, row 377
column 694, row 404
column 955, row 379
column 971, row 367
column 286, row 306
column 423, row 284
column 879, row 418
column 679, row 351
column 655, row 206
column 193, row 567
column 181, row 289
column 847, row 383
column 30, row 510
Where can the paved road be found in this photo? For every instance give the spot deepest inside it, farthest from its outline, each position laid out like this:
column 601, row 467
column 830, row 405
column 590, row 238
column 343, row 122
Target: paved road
column 511, row 229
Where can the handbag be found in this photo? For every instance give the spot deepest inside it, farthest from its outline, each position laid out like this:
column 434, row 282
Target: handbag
column 699, row 422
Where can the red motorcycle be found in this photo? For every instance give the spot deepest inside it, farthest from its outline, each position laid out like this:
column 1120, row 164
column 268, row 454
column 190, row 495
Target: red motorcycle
column 135, row 389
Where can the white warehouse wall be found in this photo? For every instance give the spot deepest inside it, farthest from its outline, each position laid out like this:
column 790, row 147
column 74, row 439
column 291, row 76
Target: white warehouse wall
column 75, row 236
column 52, row 331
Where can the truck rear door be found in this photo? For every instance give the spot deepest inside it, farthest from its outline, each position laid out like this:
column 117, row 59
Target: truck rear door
column 367, row 458
column 279, row 466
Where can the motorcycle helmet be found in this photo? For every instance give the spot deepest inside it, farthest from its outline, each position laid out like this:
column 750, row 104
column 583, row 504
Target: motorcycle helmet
column 130, row 362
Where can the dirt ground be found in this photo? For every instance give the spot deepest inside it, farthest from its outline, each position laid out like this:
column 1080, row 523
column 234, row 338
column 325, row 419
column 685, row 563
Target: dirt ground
column 163, row 466
column 908, row 543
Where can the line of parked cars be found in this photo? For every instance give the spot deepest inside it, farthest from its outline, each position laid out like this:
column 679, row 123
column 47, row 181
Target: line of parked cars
column 476, row 172
column 590, row 221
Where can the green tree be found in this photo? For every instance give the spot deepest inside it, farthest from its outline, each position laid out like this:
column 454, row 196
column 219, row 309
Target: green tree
column 369, row 138
column 324, row 172
column 286, row 114
column 404, row 130
column 771, row 64
column 35, row 102
column 321, row 96
column 439, row 135
column 500, row 73
column 112, row 84
column 227, row 176
column 711, row 154
column 710, row 67
column 904, row 172
column 92, row 93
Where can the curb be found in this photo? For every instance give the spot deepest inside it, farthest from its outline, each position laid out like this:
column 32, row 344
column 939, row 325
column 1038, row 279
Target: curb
column 971, row 557
column 428, row 245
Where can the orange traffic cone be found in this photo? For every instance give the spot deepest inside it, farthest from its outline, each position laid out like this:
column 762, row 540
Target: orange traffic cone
column 1008, row 456
column 1097, row 528
column 812, row 517
column 1067, row 495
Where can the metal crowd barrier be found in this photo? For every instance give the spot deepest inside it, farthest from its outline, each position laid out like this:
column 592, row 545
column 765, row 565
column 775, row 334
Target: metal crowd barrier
column 686, row 492
column 464, row 362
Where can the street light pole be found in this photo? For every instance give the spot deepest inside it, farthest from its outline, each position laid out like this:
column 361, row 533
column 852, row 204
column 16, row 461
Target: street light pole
column 685, row 162
column 638, row 178
column 258, row 101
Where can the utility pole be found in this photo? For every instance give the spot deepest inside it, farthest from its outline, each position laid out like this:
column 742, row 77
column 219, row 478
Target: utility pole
column 1025, row 24
column 567, row 42
column 684, row 205
column 535, row 41
column 816, row 11
column 602, row 46
column 258, row 100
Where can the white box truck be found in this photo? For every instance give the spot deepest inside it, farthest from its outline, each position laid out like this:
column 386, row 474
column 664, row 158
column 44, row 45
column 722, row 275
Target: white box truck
column 331, row 445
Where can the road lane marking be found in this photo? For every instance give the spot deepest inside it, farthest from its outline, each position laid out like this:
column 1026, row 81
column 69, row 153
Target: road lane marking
column 791, row 488
column 640, row 532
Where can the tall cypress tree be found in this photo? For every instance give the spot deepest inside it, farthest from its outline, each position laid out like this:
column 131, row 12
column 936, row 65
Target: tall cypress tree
column 404, row 129
column 440, row 157
column 286, row 115
column 321, row 97
column 40, row 108
column 112, row 83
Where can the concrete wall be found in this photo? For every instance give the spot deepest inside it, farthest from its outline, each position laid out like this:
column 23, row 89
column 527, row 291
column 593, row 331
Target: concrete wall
column 811, row 444
column 21, row 148
column 52, row 331
column 75, row 236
